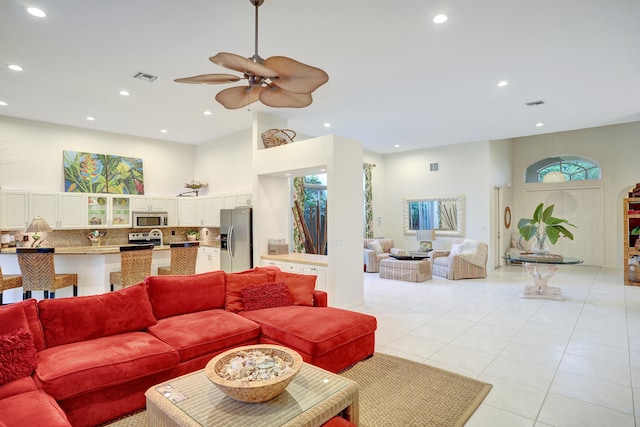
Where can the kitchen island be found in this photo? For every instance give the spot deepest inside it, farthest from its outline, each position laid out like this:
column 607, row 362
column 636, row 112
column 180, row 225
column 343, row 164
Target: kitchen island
column 92, row 264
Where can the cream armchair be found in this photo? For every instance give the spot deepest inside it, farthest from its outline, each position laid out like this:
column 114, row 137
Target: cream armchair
column 467, row 259
column 375, row 250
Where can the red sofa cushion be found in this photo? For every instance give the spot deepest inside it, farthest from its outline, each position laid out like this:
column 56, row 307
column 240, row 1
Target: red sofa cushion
column 205, row 332
column 22, row 314
column 267, row 295
column 33, row 409
column 69, row 320
column 234, row 284
column 22, row 385
column 313, row 330
column 18, row 356
column 300, row 286
column 72, row 369
column 174, row 295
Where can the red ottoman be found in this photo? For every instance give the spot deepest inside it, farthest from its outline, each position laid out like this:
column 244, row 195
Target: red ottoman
column 327, row 337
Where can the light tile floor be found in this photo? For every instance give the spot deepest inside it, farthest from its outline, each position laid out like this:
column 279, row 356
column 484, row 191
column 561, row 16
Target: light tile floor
column 552, row 363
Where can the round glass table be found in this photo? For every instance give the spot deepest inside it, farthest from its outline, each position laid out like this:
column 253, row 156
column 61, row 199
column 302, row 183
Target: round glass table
column 541, row 268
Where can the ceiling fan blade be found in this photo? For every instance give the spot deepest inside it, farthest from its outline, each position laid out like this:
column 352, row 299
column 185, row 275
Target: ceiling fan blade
column 209, row 79
column 280, row 98
column 241, row 64
column 295, row 76
column 238, row 97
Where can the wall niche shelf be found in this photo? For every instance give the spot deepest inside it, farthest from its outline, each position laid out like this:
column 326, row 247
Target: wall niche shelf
column 631, row 219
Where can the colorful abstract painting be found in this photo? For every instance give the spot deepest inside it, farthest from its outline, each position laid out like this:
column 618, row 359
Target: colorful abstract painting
column 102, row 173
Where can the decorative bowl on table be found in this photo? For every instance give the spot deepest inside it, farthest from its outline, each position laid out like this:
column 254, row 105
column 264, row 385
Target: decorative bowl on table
column 254, row 373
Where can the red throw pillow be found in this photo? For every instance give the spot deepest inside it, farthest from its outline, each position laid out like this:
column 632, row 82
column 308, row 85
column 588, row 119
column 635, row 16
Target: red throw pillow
column 233, row 289
column 300, row 286
column 265, row 295
column 18, row 356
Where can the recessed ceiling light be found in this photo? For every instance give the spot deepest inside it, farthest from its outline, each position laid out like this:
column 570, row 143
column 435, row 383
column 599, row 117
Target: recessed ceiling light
column 39, row 13
column 327, row 125
column 91, row 118
column 539, row 125
column 396, row 146
column 164, row 130
column 207, row 113
column 14, row 67
column 124, row 93
column 287, row 174
column 503, row 83
column 440, row 19
column 4, row 104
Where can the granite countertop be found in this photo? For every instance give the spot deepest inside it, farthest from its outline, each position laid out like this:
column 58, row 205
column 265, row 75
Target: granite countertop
column 88, row 250
column 310, row 259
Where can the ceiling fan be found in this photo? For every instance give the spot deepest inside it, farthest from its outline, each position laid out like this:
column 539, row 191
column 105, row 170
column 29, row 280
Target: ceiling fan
column 277, row 81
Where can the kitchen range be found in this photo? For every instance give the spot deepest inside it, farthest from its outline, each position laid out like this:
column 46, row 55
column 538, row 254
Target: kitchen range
column 152, row 236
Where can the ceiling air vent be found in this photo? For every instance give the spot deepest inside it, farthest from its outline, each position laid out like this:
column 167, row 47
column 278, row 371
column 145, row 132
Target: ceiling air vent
column 535, row 103
column 149, row 78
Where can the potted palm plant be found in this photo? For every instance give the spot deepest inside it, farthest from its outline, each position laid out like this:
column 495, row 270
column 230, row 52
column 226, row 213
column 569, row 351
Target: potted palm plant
column 544, row 227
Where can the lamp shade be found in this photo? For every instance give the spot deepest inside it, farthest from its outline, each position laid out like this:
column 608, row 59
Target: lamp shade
column 38, row 225
column 422, row 235
column 552, row 177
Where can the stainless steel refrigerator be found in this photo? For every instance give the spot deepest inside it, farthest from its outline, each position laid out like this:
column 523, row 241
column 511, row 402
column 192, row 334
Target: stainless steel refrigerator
column 236, row 244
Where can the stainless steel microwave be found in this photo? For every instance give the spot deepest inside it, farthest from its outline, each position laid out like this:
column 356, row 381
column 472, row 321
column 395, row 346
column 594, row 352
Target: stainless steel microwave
column 150, row 219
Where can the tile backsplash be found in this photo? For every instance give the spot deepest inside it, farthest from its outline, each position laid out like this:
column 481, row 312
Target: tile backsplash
column 115, row 236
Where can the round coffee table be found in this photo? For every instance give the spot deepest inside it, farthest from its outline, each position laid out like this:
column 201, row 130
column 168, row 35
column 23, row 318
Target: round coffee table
column 541, row 268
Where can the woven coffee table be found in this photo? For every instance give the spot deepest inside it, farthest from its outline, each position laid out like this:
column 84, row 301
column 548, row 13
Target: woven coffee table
column 407, row 270
column 312, row 398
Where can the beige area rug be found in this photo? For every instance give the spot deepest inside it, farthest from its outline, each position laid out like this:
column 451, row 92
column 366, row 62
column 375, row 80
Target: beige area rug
column 399, row 392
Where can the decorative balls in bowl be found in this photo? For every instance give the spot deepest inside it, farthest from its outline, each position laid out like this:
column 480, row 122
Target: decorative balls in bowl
column 254, row 373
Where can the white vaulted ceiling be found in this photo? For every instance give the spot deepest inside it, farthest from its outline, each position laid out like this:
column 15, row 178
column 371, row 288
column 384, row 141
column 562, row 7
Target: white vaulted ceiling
column 395, row 76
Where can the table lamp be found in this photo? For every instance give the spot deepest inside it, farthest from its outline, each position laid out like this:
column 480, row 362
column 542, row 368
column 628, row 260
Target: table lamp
column 38, row 225
column 425, row 237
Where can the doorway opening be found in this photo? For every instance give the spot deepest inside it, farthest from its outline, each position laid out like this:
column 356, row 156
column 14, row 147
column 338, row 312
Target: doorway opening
column 310, row 214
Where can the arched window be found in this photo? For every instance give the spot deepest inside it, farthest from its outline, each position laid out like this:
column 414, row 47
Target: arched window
column 573, row 168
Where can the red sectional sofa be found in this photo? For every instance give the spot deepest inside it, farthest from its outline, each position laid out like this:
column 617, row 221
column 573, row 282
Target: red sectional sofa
column 83, row 361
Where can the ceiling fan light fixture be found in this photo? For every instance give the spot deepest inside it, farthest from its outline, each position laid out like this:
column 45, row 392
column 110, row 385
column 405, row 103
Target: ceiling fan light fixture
column 290, row 82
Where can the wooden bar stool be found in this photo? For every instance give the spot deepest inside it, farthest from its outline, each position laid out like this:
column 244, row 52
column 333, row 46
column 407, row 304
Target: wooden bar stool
column 9, row 282
column 39, row 273
column 135, row 265
column 183, row 259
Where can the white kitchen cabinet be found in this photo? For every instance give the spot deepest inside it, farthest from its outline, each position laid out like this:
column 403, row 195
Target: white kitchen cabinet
column 104, row 210
column 217, row 204
column 60, row 210
column 71, row 208
column 272, row 263
column 196, row 211
column 208, row 259
column 171, row 204
column 15, row 210
column 186, row 211
column 320, row 273
column 149, row 204
column 44, row 205
column 244, row 200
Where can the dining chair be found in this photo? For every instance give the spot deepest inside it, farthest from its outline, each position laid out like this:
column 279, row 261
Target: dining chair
column 183, row 259
column 39, row 273
column 135, row 266
column 9, row 282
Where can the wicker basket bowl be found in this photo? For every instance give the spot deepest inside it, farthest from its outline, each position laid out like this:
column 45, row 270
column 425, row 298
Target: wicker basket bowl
column 253, row 391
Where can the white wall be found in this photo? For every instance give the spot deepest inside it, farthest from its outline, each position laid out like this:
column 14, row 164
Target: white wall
column 31, row 156
column 615, row 147
column 225, row 163
column 462, row 169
